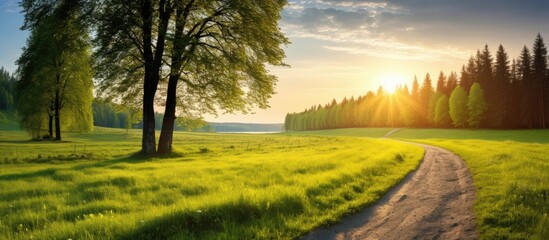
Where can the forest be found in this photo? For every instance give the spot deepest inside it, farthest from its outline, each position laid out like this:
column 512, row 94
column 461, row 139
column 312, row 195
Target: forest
column 500, row 93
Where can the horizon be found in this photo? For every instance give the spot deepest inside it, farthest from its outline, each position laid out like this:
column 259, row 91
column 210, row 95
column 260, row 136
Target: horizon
column 343, row 49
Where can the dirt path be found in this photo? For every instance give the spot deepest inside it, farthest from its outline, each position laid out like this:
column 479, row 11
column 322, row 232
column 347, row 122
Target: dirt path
column 434, row 202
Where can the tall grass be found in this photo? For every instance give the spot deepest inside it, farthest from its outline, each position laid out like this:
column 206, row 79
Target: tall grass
column 216, row 186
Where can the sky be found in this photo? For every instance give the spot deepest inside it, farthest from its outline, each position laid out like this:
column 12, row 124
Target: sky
column 343, row 48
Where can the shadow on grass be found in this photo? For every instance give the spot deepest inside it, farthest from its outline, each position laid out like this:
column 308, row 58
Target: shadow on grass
column 135, row 158
column 235, row 217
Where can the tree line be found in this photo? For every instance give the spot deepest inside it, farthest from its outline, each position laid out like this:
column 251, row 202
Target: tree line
column 489, row 93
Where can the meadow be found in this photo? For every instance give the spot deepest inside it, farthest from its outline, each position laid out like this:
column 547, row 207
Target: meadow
column 510, row 170
column 215, row 186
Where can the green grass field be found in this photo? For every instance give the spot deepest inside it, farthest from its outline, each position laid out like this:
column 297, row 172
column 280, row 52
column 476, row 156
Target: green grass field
column 510, row 170
column 216, row 186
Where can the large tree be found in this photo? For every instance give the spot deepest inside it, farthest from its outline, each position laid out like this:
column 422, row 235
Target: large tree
column 205, row 55
column 55, row 76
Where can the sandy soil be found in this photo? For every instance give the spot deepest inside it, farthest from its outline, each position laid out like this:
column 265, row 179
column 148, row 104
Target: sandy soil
column 434, row 202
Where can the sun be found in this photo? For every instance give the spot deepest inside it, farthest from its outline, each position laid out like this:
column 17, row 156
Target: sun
column 390, row 81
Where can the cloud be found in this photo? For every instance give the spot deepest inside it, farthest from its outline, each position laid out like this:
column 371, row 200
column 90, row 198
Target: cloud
column 415, row 29
column 361, row 27
column 10, row 6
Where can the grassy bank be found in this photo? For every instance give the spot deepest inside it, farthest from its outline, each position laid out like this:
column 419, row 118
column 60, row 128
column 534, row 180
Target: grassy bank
column 217, row 186
column 510, row 170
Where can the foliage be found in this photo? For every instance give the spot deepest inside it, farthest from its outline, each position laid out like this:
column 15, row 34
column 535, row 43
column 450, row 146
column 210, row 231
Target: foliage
column 55, row 78
column 476, row 106
column 442, row 114
column 458, row 107
column 6, row 90
column 242, row 187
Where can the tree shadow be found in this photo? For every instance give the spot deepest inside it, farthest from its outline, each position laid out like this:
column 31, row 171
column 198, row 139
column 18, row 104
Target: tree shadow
column 134, row 158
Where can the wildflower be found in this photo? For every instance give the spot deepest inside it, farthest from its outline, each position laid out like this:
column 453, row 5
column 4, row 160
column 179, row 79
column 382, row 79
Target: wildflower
column 11, row 206
column 142, row 221
column 100, row 215
column 199, row 211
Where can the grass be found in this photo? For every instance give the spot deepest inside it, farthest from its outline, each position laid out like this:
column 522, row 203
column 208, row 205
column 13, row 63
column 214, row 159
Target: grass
column 216, row 186
column 510, row 170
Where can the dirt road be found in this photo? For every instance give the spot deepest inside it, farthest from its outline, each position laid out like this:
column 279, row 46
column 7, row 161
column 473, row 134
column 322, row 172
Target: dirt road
column 434, row 202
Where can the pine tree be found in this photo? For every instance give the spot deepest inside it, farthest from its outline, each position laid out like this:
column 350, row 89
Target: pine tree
column 502, row 81
column 526, row 89
column 441, row 83
column 451, row 84
column 539, row 76
column 425, row 94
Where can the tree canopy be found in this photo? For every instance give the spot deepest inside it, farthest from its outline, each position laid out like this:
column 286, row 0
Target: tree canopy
column 55, row 78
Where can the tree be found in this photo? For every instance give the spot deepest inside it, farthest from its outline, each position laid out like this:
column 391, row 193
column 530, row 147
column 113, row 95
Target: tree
column 468, row 74
column 55, row 77
column 486, row 81
column 425, row 94
column 458, row 107
column 476, row 105
column 451, row 84
column 442, row 115
column 526, row 88
column 6, row 90
column 212, row 52
column 502, row 83
column 441, row 83
column 539, row 76
column 431, row 112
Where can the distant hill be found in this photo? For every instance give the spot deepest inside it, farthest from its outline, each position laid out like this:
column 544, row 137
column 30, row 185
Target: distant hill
column 246, row 127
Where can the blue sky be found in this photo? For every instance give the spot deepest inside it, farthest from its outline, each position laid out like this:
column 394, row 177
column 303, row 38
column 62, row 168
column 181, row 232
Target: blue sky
column 344, row 48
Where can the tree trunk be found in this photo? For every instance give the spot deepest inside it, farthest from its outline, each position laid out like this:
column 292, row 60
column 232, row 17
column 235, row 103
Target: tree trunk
column 166, row 135
column 148, row 144
column 50, row 126
column 57, row 111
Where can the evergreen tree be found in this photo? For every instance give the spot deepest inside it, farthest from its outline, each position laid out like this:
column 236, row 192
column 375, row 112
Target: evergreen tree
column 539, row 78
column 468, row 74
column 451, row 84
column 502, row 81
column 527, row 86
column 476, row 106
column 425, row 94
column 441, row 83
column 458, row 107
column 486, row 81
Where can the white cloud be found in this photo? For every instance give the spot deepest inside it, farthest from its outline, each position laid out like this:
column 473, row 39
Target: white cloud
column 365, row 28
column 10, row 6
